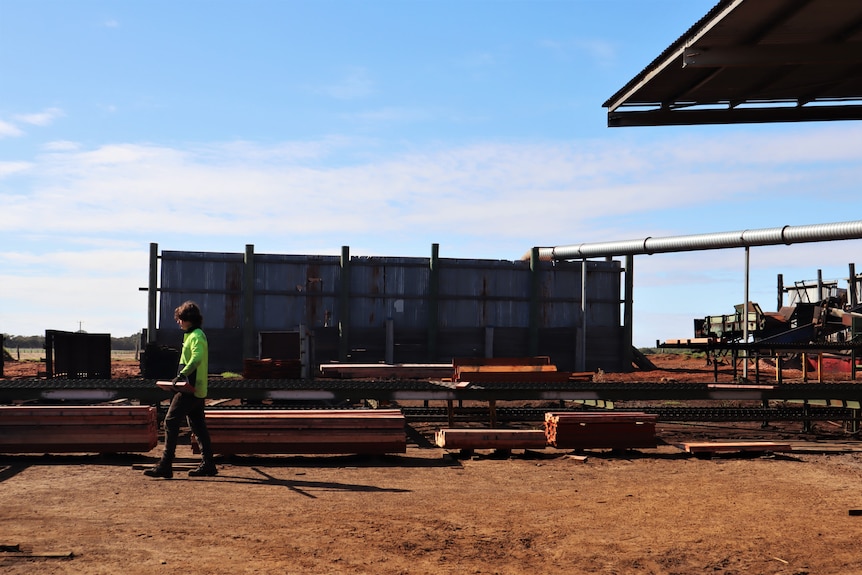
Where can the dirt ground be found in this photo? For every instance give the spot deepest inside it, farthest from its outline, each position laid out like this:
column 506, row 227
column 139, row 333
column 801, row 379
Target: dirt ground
column 650, row 511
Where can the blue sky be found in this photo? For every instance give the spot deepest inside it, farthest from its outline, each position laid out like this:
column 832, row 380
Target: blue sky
column 386, row 126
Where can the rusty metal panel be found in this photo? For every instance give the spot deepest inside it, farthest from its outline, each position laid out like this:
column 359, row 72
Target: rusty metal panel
column 482, row 293
column 388, row 287
column 294, row 290
column 213, row 280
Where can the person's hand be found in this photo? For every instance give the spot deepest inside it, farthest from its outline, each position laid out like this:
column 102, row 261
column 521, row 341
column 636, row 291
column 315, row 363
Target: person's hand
column 175, row 380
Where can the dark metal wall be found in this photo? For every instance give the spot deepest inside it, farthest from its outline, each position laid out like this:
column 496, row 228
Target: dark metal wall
column 406, row 310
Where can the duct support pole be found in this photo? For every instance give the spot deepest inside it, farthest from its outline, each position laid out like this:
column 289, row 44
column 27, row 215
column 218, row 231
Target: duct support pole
column 433, row 301
column 854, row 300
column 533, row 328
column 780, row 292
column 489, row 341
column 628, row 302
column 745, row 333
column 581, row 363
column 344, row 306
column 249, row 338
column 820, row 297
column 152, row 293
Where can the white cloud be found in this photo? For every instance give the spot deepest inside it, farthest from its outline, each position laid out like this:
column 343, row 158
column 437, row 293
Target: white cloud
column 43, row 118
column 355, row 84
column 547, row 189
column 61, row 146
column 8, row 130
column 9, row 168
column 97, row 209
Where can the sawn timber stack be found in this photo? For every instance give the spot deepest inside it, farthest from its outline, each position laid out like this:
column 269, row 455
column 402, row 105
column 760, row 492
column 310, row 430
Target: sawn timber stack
column 568, row 430
column 321, row 431
column 78, row 429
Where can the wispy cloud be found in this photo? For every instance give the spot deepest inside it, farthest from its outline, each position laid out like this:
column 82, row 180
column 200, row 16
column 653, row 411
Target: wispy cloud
column 355, row 84
column 43, row 118
column 9, row 168
column 532, row 189
column 8, row 130
column 601, row 52
column 99, row 207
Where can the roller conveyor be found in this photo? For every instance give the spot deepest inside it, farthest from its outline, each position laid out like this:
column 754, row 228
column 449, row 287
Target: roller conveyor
column 145, row 390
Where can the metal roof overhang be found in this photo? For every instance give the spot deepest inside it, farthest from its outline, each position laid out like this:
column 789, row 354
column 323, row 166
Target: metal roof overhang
column 753, row 61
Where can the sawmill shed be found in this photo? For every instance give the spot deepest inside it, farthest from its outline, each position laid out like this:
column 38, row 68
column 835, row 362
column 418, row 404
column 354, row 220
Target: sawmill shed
column 357, row 309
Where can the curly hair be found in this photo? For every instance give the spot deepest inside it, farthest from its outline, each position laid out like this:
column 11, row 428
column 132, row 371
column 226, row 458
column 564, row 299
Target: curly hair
column 190, row 312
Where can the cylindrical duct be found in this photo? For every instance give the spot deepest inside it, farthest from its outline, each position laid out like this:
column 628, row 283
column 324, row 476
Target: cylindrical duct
column 720, row 240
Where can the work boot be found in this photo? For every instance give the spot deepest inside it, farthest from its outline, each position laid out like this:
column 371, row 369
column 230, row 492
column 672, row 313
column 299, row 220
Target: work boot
column 205, row 469
column 162, row 469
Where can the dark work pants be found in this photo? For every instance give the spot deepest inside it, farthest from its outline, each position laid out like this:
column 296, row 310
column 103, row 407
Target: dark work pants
column 186, row 406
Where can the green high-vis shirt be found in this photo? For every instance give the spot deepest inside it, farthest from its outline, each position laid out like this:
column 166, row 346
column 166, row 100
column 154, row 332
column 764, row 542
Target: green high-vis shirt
column 195, row 360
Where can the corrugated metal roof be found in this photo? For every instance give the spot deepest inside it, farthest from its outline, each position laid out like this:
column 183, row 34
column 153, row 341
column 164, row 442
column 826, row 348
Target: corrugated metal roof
column 753, row 61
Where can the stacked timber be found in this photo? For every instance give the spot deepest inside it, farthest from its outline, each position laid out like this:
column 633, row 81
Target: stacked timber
column 491, row 438
column 571, row 430
column 78, row 429
column 387, row 370
column 508, row 369
column 322, row 431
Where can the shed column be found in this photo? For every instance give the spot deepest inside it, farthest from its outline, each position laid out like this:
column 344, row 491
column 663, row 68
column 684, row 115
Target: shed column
column 344, row 306
column 533, row 329
column 433, row 302
column 249, row 341
column 628, row 308
column 152, row 293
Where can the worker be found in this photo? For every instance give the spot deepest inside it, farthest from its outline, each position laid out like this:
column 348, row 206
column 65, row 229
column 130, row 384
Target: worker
column 188, row 401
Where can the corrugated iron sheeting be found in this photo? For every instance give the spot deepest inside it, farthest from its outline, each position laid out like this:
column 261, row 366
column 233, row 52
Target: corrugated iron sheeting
column 294, row 290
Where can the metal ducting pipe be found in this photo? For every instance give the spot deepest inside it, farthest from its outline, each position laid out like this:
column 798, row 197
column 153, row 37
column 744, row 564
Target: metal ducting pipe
column 763, row 237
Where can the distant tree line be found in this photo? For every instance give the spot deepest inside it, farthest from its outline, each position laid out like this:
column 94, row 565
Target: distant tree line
column 130, row 342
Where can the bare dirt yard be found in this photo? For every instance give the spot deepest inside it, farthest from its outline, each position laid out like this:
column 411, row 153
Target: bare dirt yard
column 650, row 511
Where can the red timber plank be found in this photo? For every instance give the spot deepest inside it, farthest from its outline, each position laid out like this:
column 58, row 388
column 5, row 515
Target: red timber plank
column 307, row 431
column 491, row 438
column 77, row 429
column 600, row 430
column 730, row 446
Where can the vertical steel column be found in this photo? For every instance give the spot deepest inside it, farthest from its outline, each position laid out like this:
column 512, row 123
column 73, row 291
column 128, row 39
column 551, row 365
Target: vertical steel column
column 820, row 286
column 249, row 339
column 433, row 302
column 152, row 293
column 533, row 328
column 581, row 359
column 344, row 306
column 628, row 304
column 780, row 292
column 745, row 315
column 854, row 299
